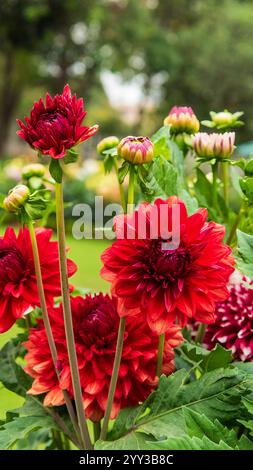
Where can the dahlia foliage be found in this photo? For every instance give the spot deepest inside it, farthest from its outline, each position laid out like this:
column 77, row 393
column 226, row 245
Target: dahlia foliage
column 170, row 342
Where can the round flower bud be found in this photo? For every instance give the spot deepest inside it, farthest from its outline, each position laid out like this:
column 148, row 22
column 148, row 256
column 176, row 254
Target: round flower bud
column 16, row 198
column 136, row 150
column 107, row 143
column 34, row 169
column 208, row 146
column 182, row 119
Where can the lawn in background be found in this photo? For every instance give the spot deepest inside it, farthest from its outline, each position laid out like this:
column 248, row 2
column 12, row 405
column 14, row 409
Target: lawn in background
column 86, row 254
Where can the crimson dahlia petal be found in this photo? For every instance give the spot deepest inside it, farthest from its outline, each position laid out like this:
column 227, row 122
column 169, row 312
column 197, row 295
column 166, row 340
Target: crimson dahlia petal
column 96, row 322
column 18, row 287
column 56, row 125
column 168, row 284
column 233, row 327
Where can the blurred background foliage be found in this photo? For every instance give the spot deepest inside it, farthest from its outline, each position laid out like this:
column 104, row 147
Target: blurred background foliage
column 131, row 60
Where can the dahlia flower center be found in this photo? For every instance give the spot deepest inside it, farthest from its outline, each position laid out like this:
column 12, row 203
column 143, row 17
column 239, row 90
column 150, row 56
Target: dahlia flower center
column 50, row 120
column 12, row 266
column 169, row 265
column 96, row 327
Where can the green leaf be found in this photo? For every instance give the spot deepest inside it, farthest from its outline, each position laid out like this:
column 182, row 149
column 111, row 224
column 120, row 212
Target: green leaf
column 160, row 180
column 70, row 157
column 21, row 427
column 123, row 171
column 216, row 394
column 203, row 359
column 249, row 168
column 109, row 162
column 188, row 443
column 160, row 140
column 190, row 201
column 55, row 170
column 12, row 375
column 246, row 185
column 245, row 251
column 134, row 441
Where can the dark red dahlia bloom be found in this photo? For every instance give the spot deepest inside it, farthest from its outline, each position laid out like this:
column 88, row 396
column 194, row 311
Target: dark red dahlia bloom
column 96, row 322
column 56, row 126
column 18, row 288
column 233, row 327
column 165, row 284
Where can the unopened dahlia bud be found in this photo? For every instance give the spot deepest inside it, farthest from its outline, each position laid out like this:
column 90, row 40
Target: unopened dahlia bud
column 136, row 150
column 182, row 119
column 224, row 120
column 208, row 146
column 34, row 169
column 16, row 198
column 107, row 143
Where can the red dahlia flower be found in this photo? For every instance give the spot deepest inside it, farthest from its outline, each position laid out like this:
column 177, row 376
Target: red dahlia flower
column 233, row 327
column 96, row 322
column 18, row 288
column 168, row 284
column 56, row 126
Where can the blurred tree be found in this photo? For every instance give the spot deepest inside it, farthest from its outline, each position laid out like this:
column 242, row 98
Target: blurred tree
column 197, row 53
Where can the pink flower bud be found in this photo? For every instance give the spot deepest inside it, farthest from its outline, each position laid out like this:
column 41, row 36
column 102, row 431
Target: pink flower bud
column 136, row 150
column 182, row 119
column 214, row 145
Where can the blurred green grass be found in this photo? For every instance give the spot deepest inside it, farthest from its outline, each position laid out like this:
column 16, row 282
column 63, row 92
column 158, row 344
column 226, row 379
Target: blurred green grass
column 86, row 254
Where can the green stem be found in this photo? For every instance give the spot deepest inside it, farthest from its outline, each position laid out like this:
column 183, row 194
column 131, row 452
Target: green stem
column 215, row 186
column 235, row 225
column 121, row 331
column 200, row 333
column 68, row 323
column 114, row 378
column 159, row 366
column 121, row 189
column 45, row 317
column 225, row 173
column 96, row 431
column 130, row 200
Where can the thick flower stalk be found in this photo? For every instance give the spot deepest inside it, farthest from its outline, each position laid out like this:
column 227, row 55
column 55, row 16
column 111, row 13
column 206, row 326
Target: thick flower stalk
column 18, row 286
column 214, row 146
column 164, row 284
column 56, row 125
column 182, row 119
column 136, row 150
column 96, row 322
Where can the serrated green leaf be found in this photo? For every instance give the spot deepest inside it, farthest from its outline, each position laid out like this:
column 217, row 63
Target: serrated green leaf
column 162, row 416
column 12, row 375
column 21, row 427
column 160, row 180
column 188, row 443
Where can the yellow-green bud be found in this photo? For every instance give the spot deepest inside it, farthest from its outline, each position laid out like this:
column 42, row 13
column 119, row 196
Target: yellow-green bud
column 107, row 143
column 16, row 198
column 33, row 169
